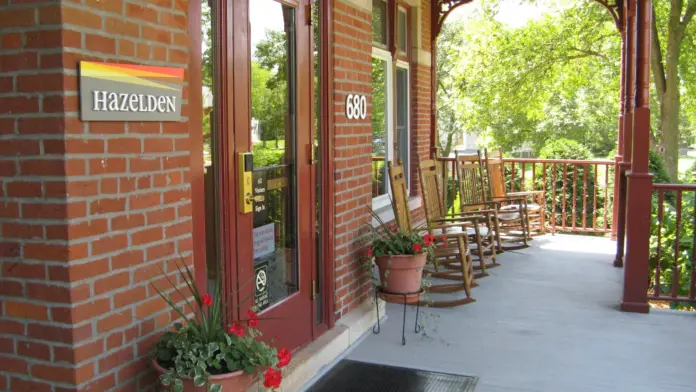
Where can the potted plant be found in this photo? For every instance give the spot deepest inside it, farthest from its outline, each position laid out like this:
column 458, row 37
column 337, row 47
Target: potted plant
column 400, row 256
column 205, row 354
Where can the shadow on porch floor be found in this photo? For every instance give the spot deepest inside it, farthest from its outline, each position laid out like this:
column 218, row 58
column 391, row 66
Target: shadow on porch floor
column 547, row 320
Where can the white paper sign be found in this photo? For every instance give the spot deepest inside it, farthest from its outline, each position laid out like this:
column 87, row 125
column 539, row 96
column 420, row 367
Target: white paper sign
column 264, row 240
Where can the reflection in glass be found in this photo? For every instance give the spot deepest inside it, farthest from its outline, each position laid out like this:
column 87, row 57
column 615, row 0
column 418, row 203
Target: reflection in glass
column 316, row 32
column 379, row 127
column 401, row 31
column 402, row 115
column 273, row 145
column 379, row 22
column 210, row 146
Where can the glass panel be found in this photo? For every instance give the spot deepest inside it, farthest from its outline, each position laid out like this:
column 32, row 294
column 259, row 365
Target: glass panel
column 401, row 31
column 273, row 97
column 317, row 24
column 379, row 22
column 210, row 146
column 379, row 127
column 402, row 115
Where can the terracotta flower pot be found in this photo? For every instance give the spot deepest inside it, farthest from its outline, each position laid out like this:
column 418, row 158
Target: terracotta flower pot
column 230, row 382
column 405, row 272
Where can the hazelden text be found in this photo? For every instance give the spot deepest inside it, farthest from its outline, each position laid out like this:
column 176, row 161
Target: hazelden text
column 105, row 101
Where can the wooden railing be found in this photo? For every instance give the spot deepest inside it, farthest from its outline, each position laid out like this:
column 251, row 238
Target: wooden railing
column 673, row 243
column 579, row 193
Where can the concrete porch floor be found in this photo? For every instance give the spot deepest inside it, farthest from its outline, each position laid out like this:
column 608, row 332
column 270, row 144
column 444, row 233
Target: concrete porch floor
column 546, row 320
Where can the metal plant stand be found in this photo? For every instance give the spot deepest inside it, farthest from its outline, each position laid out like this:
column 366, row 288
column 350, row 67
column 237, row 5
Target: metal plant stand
column 377, row 328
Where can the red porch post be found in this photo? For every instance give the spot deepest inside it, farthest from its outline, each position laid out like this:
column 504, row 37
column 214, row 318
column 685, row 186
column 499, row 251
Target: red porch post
column 626, row 138
column 635, row 296
column 622, row 111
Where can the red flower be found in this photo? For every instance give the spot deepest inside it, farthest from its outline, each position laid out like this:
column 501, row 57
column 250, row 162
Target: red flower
column 253, row 318
column 237, row 329
column 428, row 239
column 369, row 253
column 272, row 378
column 284, row 357
column 207, row 300
column 417, row 248
column 395, row 228
column 444, row 240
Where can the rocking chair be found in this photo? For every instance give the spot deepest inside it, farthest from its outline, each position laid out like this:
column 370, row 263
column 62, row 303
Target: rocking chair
column 464, row 223
column 513, row 219
column 535, row 200
column 448, row 246
column 472, row 196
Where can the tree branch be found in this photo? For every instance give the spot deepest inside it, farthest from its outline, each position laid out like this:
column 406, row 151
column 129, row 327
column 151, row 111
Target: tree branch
column 689, row 14
column 612, row 12
column 656, row 63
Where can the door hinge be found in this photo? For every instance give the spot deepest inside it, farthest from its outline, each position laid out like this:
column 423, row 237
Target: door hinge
column 314, row 290
column 308, row 14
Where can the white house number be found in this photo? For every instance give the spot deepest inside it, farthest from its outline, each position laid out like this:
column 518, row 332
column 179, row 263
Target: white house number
column 356, row 107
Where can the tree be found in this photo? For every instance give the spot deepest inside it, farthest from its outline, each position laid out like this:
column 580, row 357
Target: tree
column 555, row 77
column 670, row 28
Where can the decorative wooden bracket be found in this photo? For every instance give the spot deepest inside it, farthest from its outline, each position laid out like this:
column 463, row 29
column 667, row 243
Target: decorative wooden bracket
column 442, row 9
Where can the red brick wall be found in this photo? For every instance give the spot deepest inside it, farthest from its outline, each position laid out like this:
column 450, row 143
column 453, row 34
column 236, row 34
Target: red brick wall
column 352, row 35
column 89, row 212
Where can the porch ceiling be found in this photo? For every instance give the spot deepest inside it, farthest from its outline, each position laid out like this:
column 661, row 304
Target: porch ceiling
column 547, row 320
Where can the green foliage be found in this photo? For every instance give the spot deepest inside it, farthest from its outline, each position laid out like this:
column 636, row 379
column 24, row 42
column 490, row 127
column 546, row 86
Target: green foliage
column 555, row 77
column 267, row 156
column 656, row 166
column 689, row 176
column 391, row 240
column 565, row 149
column 202, row 347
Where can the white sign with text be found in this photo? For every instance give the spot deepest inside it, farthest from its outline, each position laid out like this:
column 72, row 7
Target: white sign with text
column 264, row 240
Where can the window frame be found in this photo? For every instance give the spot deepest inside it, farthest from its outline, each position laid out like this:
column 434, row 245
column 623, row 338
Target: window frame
column 384, row 55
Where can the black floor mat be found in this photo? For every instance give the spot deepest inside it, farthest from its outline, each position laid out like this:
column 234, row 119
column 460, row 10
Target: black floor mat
column 353, row 376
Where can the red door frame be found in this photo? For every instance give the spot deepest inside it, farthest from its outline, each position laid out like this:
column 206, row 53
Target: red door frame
column 235, row 39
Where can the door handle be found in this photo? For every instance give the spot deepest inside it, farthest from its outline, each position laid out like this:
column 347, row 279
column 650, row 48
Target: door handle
column 249, row 199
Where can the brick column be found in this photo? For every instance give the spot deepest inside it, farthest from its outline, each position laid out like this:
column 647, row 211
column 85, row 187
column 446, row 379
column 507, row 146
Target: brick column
column 89, row 212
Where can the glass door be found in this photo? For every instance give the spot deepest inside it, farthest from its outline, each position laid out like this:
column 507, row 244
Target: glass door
column 275, row 222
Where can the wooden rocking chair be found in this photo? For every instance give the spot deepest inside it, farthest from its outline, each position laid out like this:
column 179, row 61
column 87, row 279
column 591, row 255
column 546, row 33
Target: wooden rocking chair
column 436, row 216
column 513, row 220
column 535, row 200
column 448, row 246
column 472, row 196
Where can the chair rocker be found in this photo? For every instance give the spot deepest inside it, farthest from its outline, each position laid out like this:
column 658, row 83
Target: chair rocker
column 513, row 219
column 448, row 247
column 440, row 223
column 472, row 196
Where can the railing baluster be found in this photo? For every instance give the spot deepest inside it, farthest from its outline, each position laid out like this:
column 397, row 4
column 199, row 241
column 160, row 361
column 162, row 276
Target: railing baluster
column 692, row 285
column 575, row 192
column 533, row 176
column 512, row 177
column 553, row 197
column 565, row 175
column 658, row 268
column 584, row 196
column 606, row 195
column 523, row 185
column 675, row 267
column 594, row 198
column 454, row 187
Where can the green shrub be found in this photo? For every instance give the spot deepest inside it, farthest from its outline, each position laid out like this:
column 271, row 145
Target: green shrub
column 570, row 150
column 264, row 156
column 564, row 149
column 657, row 166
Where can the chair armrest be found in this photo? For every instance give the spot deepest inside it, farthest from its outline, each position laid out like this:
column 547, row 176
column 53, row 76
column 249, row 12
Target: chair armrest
column 526, row 193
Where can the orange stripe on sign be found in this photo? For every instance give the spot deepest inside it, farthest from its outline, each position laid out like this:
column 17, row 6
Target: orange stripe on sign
column 162, row 71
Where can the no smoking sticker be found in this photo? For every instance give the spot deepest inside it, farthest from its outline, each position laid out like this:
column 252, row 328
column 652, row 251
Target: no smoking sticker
column 261, row 286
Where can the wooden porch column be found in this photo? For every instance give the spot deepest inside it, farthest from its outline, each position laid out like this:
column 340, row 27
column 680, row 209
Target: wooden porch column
column 635, row 295
column 622, row 111
column 626, row 138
